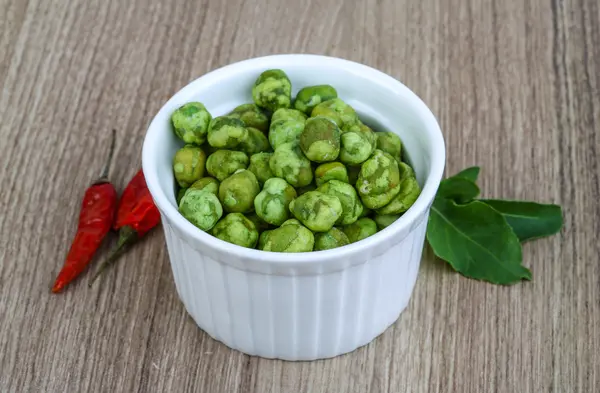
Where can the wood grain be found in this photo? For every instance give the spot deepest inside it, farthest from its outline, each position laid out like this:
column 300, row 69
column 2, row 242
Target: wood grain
column 516, row 88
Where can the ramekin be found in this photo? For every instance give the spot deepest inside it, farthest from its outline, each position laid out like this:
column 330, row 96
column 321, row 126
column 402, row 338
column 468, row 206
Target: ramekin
column 302, row 306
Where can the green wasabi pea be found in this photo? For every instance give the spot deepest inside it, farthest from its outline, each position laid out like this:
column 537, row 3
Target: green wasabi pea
column 379, row 180
column 311, row 96
column 272, row 90
column 222, row 163
column 357, row 144
column 360, row 229
column 236, row 229
column 320, row 139
column 352, row 208
column 259, row 165
column 252, row 116
column 317, row 211
column 255, row 142
column 272, row 203
column 391, row 144
column 188, row 165
column 180, row 195
column 291, row 221
column 333, row 238
column 286, row 126
column 201, row 208
column 409, row 192
column 226, row 132
column 289, row 163
column 206, row 183
column 331, row 171
column 385, row 220
column 262, row 239
column 288, row 238
column 338, row 111
column 258, row 222
column 238, row 191
column 190, row 123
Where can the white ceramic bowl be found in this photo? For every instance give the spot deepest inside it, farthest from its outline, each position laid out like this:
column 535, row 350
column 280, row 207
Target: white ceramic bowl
column 300, row 306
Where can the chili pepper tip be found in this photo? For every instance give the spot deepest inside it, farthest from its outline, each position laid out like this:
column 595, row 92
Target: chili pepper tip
column 58, row 286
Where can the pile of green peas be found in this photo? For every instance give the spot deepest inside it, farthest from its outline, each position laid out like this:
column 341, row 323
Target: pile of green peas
column 289, row 175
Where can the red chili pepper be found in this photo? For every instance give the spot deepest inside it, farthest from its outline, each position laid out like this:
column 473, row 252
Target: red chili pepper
column 95, row 219
column 136, row 215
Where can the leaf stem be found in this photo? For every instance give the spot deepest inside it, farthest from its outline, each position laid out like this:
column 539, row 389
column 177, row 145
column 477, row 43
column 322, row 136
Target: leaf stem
column 127, row 236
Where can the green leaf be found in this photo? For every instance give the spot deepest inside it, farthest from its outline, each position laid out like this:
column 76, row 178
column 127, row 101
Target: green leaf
column 458, row 189
column 461, row 187
column 529, row 220
column 476, row 241
column 471, row 173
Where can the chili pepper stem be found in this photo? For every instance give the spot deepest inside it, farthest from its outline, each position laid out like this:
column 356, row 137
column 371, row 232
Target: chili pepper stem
column 104, row 174
column 127, row 236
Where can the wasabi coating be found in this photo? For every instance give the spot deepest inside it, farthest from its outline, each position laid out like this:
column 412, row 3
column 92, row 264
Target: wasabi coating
column 391, row 144
column 385, row 220
column 351, row 205
column 252, row 116
column 190, row 123
column 409, row 192
column 311, row 96
column 316, row 210
column 288, row 238
column 333, row 238
column 226, row 132
column 289, row 163
column 272, row 203
column 379, row 180
column 360, row 229
column 201, row 208
column 320, row 140
column 238, row 191
column 272, row 90
column 331, row 171
column 286, row 126
column 259, row 165
column 209, row 184
column 236, row 229
column 255, row 142
column 357, row 144
column 222, row 163
column 188, row 165
column 338, row 111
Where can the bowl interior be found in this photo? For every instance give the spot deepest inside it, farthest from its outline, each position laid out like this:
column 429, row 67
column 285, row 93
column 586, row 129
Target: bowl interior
column 381, row 102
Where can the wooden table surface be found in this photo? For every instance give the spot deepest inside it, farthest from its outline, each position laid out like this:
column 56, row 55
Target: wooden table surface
column 516, row 88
